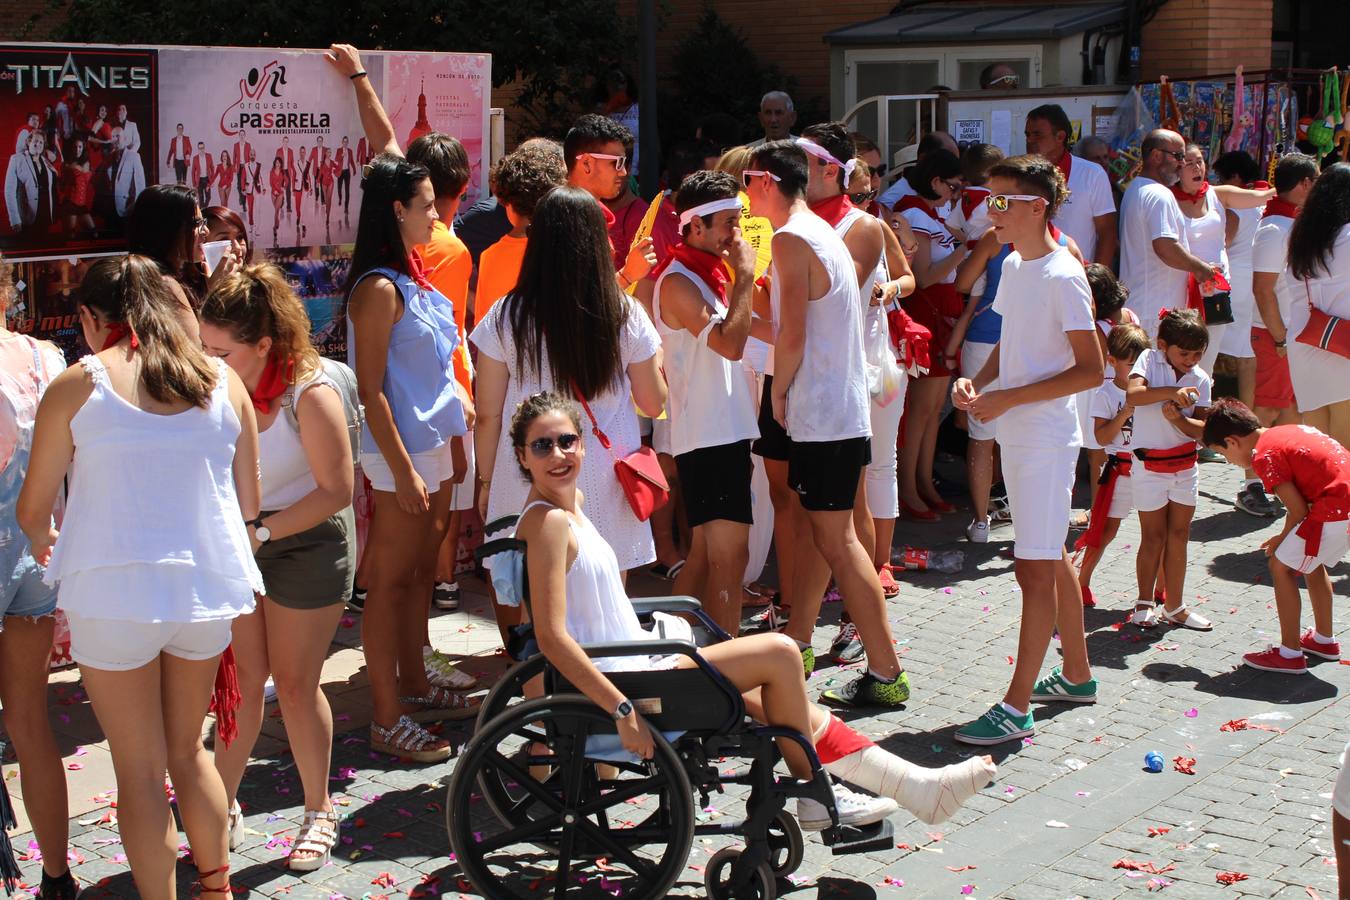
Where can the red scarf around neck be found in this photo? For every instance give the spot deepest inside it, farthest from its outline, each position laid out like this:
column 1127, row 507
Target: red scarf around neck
column 914, row 201
column 1181, row 194
column 417, row 271
column 1065, row 164
column 1278, row 206
column 117, row 331
column 276, row 377
column 833, row 209
column 705, row 265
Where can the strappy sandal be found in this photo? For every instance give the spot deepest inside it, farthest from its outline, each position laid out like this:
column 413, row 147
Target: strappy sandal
column 441, row 703
column 318, row 836
column 408, row 741
column 235, row 824
column 1145, row 614
column 1192, row 620
column 443, row 673
column 223, row 889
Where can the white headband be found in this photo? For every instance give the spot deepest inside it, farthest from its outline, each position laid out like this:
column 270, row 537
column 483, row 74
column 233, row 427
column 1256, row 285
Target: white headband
column 821, row 153
column 707, row 209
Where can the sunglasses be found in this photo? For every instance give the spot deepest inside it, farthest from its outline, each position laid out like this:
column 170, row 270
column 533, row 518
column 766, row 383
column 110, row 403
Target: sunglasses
column 999, row 202
column 542, row 447
column 1008, row 80
column 954, row 186
column 862, row 198
column 199, row 223
column 620, row 162
column 756, row 173
column 1178, row 155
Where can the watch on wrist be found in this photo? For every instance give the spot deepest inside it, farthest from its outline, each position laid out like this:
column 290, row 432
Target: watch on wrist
column 261, row 531
column 623, row 710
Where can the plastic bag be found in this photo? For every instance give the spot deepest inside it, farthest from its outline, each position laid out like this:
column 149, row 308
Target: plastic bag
column 884, row 377
column 1133, row 123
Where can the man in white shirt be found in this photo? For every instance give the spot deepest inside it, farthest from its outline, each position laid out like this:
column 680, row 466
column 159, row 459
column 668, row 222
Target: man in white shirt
column 1089, row 214
column 776, row 117
column 1154, row 255
column 131, row 135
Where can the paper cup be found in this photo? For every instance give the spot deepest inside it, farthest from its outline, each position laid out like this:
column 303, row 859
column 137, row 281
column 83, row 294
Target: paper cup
column 215, row 252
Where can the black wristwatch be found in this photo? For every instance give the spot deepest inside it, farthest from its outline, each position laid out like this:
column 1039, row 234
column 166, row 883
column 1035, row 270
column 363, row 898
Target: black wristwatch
column 260, row 531
column 623, row 710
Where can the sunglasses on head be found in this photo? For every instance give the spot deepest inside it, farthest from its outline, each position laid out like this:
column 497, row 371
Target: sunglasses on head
column 748, row 174
column 999, row 202
column 542, row 447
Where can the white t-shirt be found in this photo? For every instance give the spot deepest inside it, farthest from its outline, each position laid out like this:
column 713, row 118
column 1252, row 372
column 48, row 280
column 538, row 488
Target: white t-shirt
column 1040, row 300
column 1152, row 431
column 1148, row 212
column 1089, row 197
column 1270, row 253
column 1321, row 377
column 941, row 242
column 900, row 189
column 1107, row 403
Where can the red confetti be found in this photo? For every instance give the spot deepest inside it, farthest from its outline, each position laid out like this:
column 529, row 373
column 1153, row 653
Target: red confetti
column 959, row 868
column 1148, row 866
column 1231, row 877
column 1184, row 764
column 1011, row 660
column 1312, row 892
column 1154, row 831
column 1244, row 724
column 393, row 835
column 384, row 879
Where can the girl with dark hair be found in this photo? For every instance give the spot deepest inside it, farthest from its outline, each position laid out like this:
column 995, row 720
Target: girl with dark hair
column 77, row 188
column 224, row 224
column 936, row 306
column 568, row 328
column 1319, row 257
column 277, row 182
column 224, row 177
column 152, row 561
column 402, row 339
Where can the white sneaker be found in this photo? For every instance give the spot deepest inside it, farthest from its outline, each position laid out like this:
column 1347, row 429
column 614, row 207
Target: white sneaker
column 977, row 532
column 853, row 808
column 269, row 691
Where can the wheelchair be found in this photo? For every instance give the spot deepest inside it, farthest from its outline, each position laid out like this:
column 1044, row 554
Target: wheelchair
column 544, row 798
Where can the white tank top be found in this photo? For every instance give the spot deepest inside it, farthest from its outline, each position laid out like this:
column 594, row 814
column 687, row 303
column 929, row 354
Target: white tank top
column 286, row 475
column 1206, row 234
column 179, row 510
column 828, row 399
column 710, row 402
column 874, row 317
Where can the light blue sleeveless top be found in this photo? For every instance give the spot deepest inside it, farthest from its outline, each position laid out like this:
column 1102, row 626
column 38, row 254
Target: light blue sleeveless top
column 419, row 381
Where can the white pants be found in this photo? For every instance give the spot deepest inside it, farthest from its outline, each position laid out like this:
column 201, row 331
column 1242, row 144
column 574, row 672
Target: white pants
column 883, row 487
column 115, row 645
column 1216, row 333
column 1040, row 493
column 461, row 495
column 974, row 354
column 1154, row 490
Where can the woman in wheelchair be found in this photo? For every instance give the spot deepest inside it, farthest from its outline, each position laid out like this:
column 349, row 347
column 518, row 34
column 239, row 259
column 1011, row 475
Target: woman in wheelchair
column 577, row 597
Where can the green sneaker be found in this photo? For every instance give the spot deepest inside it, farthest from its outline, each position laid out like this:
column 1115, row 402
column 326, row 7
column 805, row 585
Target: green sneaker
column 868, row 690
column 1054, row 689
column 808, row 660
column 996, row 727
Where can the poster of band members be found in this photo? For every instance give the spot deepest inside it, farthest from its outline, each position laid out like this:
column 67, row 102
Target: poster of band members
column 445, row 92
column 77, row 143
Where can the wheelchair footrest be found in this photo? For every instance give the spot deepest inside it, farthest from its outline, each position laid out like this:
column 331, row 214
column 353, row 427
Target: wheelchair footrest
column 863, row 839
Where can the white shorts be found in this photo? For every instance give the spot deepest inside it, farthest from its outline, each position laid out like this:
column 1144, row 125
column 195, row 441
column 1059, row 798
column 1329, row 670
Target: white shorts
column 120, row 646
column 434, row 466
column 1040, row 493
column 1122, row 498
column 461, row 495
column 974, row 354
column 1154, row 490
column 1340, row 795
column 1293, row 551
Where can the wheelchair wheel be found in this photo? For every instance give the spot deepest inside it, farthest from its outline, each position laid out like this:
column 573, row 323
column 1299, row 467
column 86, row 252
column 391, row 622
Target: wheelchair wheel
column 572, row 830
column 787, row 846
column 717, row 878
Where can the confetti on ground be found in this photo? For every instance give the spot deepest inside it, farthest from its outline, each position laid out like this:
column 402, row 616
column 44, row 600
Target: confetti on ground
column 1312, row 892
column 1244, row 724
column 1184, row 764
column 1192, row 713
column 891, row 881
column 1147, row 866
column 1231, row 877
column 1053, row 823
column 1154, row 830
column 1157, row 884
column 960, row 868
column 384, row 879
column 967, row 888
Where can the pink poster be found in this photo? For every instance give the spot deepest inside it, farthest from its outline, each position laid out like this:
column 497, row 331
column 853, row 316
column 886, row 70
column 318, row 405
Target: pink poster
column 446, row 92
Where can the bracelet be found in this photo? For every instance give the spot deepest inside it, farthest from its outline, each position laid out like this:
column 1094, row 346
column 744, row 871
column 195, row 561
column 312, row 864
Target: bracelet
column 1279, row 344
column 357, row 75
column 626, row 282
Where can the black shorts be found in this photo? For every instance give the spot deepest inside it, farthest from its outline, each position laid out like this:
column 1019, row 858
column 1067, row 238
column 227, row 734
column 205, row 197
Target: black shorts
column 773, row 441
column 715, row 483
column 825, row 474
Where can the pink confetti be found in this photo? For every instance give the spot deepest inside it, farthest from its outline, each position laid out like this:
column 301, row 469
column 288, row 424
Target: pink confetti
column 347, row 622
column 74, row 767
column 81, row 751
column 1191, row 713
column 967, row 888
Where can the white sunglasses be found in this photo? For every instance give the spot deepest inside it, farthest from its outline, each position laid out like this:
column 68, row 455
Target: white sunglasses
column 620, row 163
column 999, row 202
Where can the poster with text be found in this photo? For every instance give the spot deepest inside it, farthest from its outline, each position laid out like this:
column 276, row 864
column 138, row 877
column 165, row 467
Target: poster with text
column 77, row 143
column 445, row 92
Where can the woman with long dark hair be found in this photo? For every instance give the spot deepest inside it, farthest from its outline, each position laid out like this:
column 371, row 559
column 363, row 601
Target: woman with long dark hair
column 77, row 189
column 1319, row 258
column 224, row 224
column 153, row 561
column 568, row 328
column 401, row 342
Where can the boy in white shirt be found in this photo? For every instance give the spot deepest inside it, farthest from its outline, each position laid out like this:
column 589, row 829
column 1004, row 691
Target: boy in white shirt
column 1047, row 352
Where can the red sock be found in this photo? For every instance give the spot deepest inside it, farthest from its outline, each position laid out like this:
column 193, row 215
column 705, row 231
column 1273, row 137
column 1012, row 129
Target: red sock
column 839, row 741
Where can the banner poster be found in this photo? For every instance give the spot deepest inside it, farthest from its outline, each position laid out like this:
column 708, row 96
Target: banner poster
column 445, row 92
column 77, row 143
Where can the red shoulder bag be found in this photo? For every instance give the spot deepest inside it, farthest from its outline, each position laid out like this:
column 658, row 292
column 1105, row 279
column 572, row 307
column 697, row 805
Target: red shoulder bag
column 639, row 473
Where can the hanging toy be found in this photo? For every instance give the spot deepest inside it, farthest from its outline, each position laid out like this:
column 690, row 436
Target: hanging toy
column 1343, row 136
column 1322, row 130
column 1168, row 110
column 1243, row 123
column 1282, row 101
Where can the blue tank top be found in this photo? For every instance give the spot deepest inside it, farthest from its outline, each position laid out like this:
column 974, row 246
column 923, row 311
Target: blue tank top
column 419, row 380
column 987, row 325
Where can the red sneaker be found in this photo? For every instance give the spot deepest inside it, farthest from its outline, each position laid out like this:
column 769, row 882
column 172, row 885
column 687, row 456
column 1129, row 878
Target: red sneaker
column 1089, row 600
column 1323, row 649
column 889, row 586
column 1271, row 660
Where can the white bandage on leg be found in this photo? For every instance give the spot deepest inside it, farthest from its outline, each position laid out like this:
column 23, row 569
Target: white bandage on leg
column 932, row 795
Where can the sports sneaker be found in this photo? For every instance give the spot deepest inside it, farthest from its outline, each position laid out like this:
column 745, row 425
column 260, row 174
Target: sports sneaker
column 868, row 690
column 446, row 596
column 996, row 727
column 1322, row 649
column 1000, row 510
column 1054, row 689
column 977, row 532
column 1254, row 501
column 847, row 647
column 65, row 887
column 1272, row 660
column 890, row 588
column 808, row 660
column 443, row 673
column 1089, row 599
column 853, row 808
column 357, row 603
column 1206, row 455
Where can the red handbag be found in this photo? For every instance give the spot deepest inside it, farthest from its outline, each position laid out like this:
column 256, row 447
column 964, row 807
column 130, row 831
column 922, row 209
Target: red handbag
column 1325, row 331
column 639, row 473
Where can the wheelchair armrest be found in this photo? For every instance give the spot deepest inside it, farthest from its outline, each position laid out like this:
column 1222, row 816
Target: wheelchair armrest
column 647, row 605
column 608, row 649
column 500, row 524
column 497, row 545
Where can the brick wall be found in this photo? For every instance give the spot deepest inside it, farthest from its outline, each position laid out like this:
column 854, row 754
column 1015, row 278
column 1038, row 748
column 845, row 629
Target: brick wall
column 18, row 14
column 1199, row 37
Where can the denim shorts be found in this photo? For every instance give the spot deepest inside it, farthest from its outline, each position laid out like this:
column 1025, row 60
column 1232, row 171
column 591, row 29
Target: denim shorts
column 24, row 593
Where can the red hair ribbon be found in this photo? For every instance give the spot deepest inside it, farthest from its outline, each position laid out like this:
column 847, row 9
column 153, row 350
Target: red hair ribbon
column 1162, row 313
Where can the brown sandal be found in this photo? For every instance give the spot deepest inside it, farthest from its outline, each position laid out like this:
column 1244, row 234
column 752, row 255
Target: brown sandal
column 441, row 703
column 408, row 741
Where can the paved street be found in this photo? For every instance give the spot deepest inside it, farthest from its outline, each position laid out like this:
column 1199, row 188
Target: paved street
column 1067, row 806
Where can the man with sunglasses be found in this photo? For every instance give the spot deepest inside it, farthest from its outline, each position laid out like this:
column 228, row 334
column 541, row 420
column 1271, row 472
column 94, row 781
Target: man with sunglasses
column 597, row 163
column 1089, row 214
column 1154, row 256
column 817, row 415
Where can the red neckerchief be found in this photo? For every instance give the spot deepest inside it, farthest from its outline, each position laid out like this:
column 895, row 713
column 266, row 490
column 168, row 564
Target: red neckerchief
column 833, row 209
column 971, row 198
column 1181, row 194
column 1259, row 186
column 706, row 266
column 914, row 201
column 1278, row 206
column 117, row 331
column 416, row 271
column 609, row 215
column 1065, row 164
column 273, row 383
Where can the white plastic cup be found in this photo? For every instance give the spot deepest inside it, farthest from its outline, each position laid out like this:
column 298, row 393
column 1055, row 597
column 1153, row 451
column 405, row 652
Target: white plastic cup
column 214, row 252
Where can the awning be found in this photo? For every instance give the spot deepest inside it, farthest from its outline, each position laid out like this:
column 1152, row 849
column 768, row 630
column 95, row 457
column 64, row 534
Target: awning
column 937, row 23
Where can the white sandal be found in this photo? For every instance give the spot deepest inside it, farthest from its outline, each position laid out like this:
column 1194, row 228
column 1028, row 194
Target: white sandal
column 1192, row 620
column 1145, row 614
column 408, row 741
column 318, row 835
column 235, row 825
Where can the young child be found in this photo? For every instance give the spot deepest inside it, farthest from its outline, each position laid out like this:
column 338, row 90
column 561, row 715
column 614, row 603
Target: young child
column 1046, row 353
column 1108, row 308
column 1170, row 394
column 1310, row 473
column 1112, row 415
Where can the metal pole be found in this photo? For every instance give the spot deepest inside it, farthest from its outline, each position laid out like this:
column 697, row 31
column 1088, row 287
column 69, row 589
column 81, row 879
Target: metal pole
column 649, row 162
